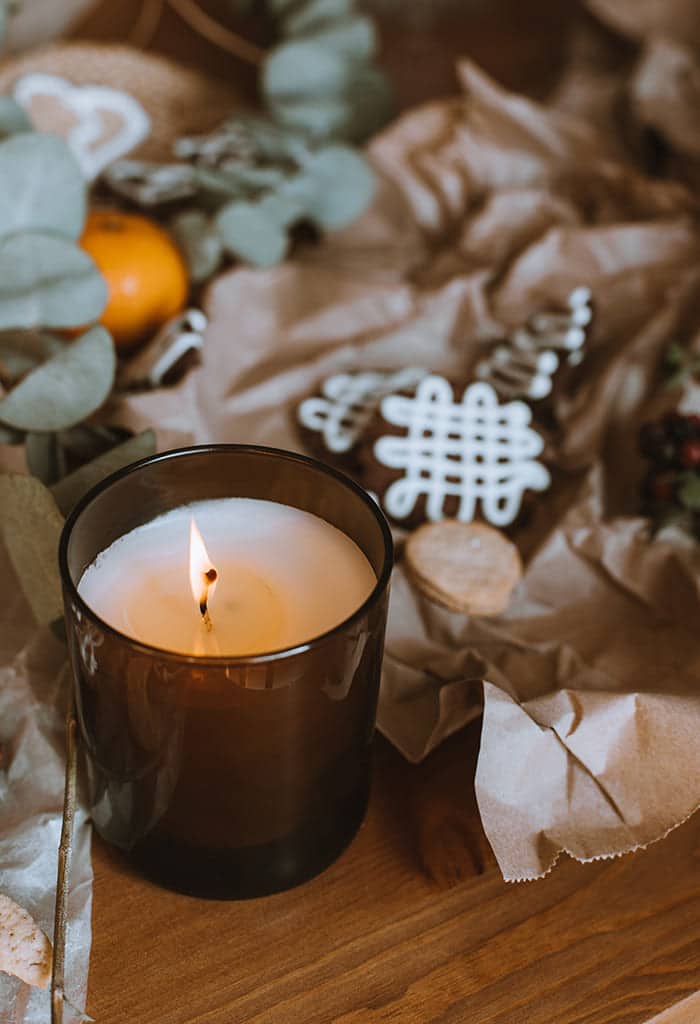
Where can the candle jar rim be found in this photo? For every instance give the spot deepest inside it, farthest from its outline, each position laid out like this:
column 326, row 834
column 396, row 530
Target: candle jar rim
column 244, row 659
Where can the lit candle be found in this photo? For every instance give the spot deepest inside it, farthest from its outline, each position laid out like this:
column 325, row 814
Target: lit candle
column 225, row 615
column 233, row 576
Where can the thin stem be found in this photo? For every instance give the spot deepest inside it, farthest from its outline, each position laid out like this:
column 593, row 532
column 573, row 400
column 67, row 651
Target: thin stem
column 216, row 33
column 65, row 856
column 146, row 24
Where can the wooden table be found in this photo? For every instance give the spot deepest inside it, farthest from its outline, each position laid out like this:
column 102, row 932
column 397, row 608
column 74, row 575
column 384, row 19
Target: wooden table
column 412, row 925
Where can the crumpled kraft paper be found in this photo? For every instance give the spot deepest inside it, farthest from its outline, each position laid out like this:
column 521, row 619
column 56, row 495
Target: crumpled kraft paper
column 489, row 208
column 33, row 691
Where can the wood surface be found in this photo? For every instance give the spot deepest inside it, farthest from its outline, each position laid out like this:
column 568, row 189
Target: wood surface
column 412, row 925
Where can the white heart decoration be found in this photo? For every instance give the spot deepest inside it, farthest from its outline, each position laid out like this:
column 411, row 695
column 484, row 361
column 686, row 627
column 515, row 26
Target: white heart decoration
column 88, row 103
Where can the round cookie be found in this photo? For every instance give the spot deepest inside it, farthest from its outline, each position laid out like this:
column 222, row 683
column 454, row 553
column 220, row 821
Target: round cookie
column 467, row 567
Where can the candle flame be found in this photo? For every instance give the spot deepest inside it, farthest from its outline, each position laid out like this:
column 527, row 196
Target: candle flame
column 203, row 574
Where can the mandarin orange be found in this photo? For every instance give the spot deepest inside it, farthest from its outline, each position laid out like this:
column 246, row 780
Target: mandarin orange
column 146, row 276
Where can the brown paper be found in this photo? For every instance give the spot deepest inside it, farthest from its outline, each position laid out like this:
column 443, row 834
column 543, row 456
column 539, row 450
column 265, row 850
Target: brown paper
column 687, row 1011
column 489, row 208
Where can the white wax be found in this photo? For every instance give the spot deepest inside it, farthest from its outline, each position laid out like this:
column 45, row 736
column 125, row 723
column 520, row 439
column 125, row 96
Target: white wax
column 284, row 577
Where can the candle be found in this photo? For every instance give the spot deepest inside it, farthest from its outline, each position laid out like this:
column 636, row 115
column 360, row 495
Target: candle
column 282, row 577
column 225, row 615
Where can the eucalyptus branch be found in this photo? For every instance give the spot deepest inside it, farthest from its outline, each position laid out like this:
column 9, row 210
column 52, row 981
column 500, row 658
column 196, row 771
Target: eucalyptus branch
column 65, row 856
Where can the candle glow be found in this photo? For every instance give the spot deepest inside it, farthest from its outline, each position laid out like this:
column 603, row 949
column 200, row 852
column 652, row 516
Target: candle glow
column 282, row 576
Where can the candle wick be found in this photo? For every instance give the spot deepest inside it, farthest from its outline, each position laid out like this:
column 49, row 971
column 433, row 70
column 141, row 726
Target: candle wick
column 210, row 577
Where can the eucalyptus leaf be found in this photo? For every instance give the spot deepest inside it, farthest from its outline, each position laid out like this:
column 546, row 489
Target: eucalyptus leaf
column 257, row 232
column 48, row 281
column 22, row 351
column 355, row 37
column 305, row 70
column 41, row 186
column 12, row 118
column 200, row 243
column 233, row 182
column 44, row 457
column 70, row 490
column 66, row 389
column 336, row 185
column 319, row 119
column 31, row 525
column 324, row 92
column 254, row 179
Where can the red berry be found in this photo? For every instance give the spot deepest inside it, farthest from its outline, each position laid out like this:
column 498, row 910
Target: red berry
column 690, row 454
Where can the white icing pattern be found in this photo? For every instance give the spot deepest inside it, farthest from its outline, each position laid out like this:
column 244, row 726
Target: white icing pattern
column 348, row 402
column 475, row 450
column 525, row 365
column 93, row 139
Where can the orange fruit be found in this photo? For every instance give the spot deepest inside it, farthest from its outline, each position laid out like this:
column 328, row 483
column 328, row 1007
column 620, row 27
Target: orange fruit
column 146, row 276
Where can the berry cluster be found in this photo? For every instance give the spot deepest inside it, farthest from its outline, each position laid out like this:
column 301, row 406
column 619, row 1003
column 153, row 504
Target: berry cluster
column 671, row 488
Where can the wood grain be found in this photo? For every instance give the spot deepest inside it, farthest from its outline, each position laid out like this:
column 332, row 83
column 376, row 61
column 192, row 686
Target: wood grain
column 413, row 924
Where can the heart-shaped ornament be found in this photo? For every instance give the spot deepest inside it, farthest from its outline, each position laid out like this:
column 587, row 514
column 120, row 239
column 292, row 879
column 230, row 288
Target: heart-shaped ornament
column 98, row 123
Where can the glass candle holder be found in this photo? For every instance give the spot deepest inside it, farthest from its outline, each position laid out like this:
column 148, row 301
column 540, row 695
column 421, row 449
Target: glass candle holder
column 226, row 776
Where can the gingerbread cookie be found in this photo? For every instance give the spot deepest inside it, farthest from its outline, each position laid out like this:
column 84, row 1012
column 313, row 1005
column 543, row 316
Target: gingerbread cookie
column 333, row 421
column 525, row 364
column 467, row 567
column 431, row 457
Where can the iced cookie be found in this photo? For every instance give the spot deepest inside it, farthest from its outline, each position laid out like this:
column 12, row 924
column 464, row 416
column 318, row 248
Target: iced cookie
column 526, row 364
column 431, row 457
column 467, row 567
column 333, row 422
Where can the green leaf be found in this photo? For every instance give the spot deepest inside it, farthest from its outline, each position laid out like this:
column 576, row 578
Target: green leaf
column 70, row 490
column 44, row 456
column 31, row 525
column 12, row 118
column 200, row 244
column 48, row 281
column 21, row 351
column 66, row 389
column 689, row 491
column 257, row 232
column 355, row 37
column 41, row 186
column 304, row 70
column 324, row 92
column 336, row 185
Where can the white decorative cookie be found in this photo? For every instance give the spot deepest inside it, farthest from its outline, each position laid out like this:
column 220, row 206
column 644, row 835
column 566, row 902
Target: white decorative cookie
column 525, row 364
column 476, row 451
column 348, row 402
column 99, row 124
